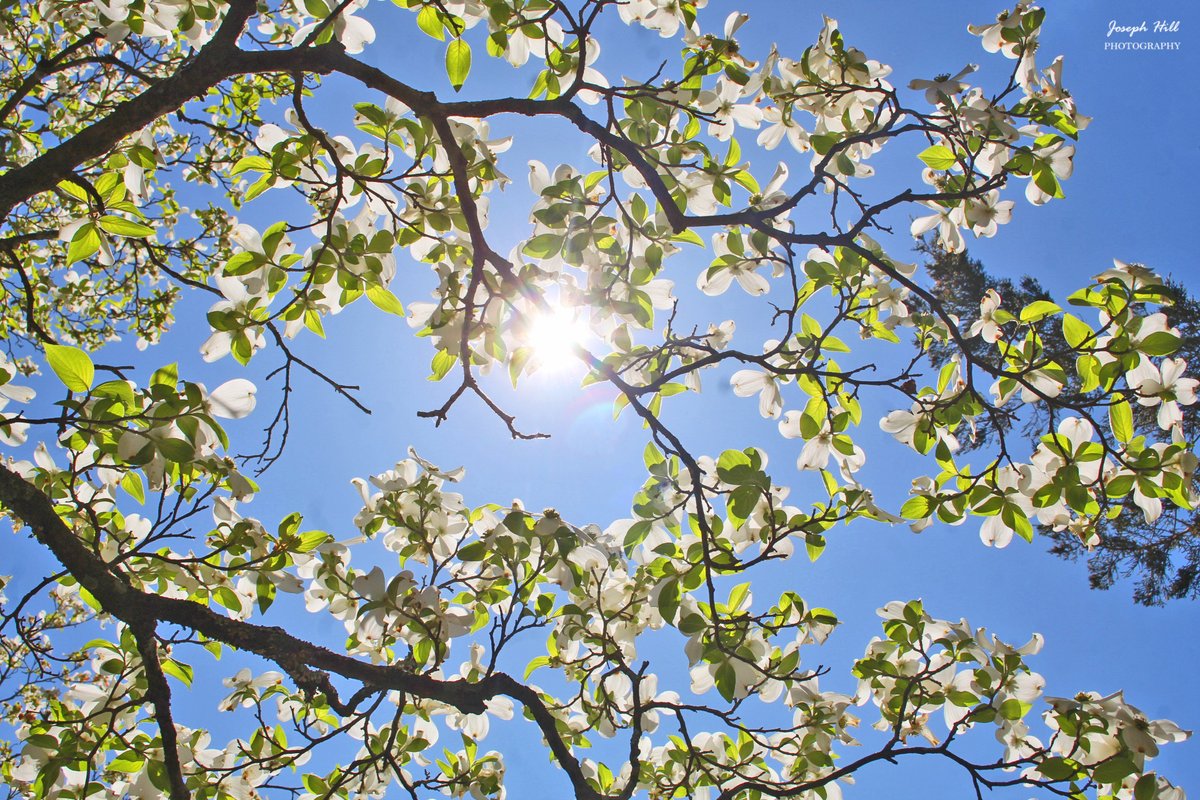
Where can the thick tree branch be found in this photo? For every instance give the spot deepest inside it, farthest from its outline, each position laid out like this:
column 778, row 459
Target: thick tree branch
column 159, row 692
column 217, row 62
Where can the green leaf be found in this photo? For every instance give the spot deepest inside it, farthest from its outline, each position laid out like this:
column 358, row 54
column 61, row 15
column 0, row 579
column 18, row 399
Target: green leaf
column 726, row 680
column 917, row 507
column 443, row 362
column 111, row 187
column 534, row 664
column 938, row 157
column 72, row 366
column 1017, row 521
column 731, row 459
column 429, row 22
column 1059, row 769
column 814, row 545
column 176, row 450
column 458, row 63
column 496, row 42
column 475, row 551
column 88, row 598
column 1076, row 331
column 824, row 142
column 117, row 390
column 259, row 186
column 1039, row 309
column 1146, row 787
column 74, row 190
column 311, row 540
column 127, row 762
column 737, row 468
column 84, row 243
column 545, row 245
column 312, row 321
column 166, row 376
column 651, row 456
column 243, row 263
column 517, row 361
column 227, row 598
column 264, row 593
column 737, row 595
column 119, row 226
column 290, row 524
column 385, row 300
column 1045, row 179
column 689, row 236
column 668, row 600
column 246, row 163
column 1013, row 709
column 1120, row 416
column 1088, row 367
column 1114, row 770
column 132, row 483
column 178, row 669
column 741, row 504
column 315, row 785
column 619, row 404
column 1159, row 343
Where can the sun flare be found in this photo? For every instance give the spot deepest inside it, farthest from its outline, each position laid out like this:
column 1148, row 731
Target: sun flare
column 553, row 336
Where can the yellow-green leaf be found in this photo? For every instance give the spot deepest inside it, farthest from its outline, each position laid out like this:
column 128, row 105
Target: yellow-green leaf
column 84, row 243
column 256, row 163
column 458, row 63
column 178, row 669
column 132, row 483
column 1076, row 331
column 443, row 362
column 72, row 366
column 689, row 236
column 1038, row 309
column 127, row 762
column 1120, row 416
column 119, row 226
column 73, row 189
column 385, row 300
column 429, row 22
column 938, row 157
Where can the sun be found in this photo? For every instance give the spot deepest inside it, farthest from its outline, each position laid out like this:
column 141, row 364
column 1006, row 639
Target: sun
column 553, row 336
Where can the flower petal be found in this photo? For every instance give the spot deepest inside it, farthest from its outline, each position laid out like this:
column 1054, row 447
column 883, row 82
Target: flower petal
column 233, row 399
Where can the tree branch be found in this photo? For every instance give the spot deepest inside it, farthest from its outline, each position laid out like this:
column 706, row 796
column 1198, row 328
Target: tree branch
column 159, row 692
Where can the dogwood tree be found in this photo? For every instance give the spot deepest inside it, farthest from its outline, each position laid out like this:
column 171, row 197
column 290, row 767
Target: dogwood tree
column 136, row 136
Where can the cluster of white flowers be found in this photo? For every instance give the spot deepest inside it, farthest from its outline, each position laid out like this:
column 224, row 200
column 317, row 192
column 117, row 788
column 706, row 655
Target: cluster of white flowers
column 160, row 19
column 12, row 431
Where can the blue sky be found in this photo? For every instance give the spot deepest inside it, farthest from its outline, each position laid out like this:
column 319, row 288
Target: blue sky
column 1131, row 197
